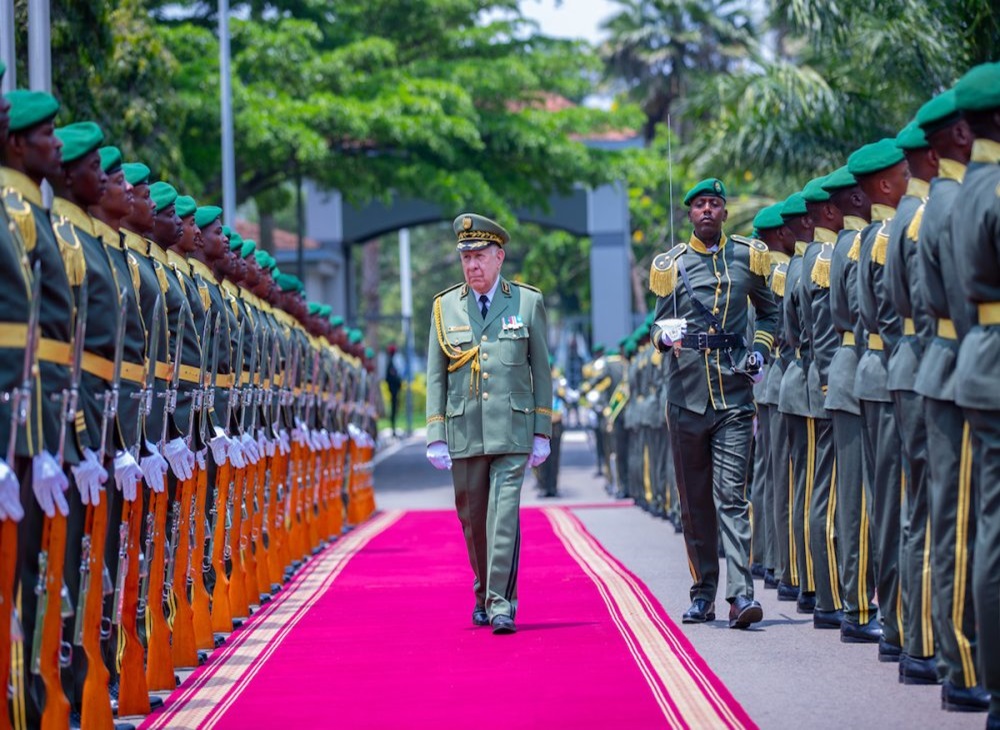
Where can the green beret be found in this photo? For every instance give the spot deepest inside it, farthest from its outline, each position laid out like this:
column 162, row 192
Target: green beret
column 264, row 259
column 325, row 310
column 911, row 137
column 979, row 88
column 875, row 157
column 355, row 336
column 337, row 321
column 709, row 186
column 794, row 206
column 30, row 108
column 314, row 307
column 206, row 214
column 248, row 248
column 3, row 68
column 629, row 347
column 369, row 353
column 475, row 232
column 185, row 206
column 136, row 173
column 839, row 179
column 938, row 113
column 79, row 140
column 163, row 194
column 111, row 158
column 235, row 239
column 813, row 192
column 769, row 217
column 288, row 282
column 227, row 231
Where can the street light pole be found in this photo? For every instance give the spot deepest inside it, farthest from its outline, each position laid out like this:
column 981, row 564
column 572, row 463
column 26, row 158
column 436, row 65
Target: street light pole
column 406, row 295
column 7, row 54
column 226, row 94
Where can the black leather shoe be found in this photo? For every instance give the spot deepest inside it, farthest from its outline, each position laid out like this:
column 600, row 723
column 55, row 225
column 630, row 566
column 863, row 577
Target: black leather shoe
column 743, row 612
column 480, row 617
column 757, row 570
column 992, row 722
column 852, row 633
column 769, row 580
column 887, row 651
column 827, row 619
column 701, row 610
column 964, row 699
column 787, row 592
column 503, row 625
column 917, row 670
column 806, row 602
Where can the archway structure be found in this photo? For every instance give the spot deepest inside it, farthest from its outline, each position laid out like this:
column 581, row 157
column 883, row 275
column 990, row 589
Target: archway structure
column 598, row 213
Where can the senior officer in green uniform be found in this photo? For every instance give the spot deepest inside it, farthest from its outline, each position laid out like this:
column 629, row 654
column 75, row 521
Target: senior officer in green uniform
column 701, row 314
column 489, row 406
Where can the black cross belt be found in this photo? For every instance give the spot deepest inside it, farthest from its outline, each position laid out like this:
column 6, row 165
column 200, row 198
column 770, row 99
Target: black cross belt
column 705, row 341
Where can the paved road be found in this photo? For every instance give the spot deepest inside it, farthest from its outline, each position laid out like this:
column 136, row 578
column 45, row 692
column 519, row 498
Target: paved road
column 786, row 674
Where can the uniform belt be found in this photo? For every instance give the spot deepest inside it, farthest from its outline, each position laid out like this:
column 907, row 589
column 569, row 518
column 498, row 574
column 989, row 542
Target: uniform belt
column 245, row 378
column 989, row 313
column 15, row 334
column 189, row 374
column 848, row 339
column 104, row 369
column 946, row 329
column 909, row 328
column 705, row 341
column 164, row 370
column 875, row 342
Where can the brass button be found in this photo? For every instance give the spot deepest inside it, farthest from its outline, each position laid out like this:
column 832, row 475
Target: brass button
column 715, row 311
column 485, row 338
column 486, row 396
column 485, row 356
column 486, row 376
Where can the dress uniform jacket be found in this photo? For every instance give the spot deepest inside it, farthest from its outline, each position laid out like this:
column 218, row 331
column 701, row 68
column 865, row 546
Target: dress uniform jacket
column 502, row 396
column 793, row 398
column 823, row 338
column 841, row 370
column 882, row 325
column 782, row 351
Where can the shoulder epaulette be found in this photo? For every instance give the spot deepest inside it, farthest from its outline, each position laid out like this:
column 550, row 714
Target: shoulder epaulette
column 71, row 251
column 450, row 288
column 778, row 279
column 20, row 213
column 526, row 286
column 663, row 272
column 913, row 230
column 821, row 268
column 881, row 244
column 760, row 255
column 855, row 253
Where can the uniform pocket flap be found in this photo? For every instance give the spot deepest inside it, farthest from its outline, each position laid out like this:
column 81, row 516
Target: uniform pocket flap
column 460, row 337
column 456, row 407
column 515, row 334
column 523, row 402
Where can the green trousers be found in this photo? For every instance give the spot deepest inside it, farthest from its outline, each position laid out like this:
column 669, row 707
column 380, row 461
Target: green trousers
column 854, row 535
column 951, row 497
column 488, row 501
column 761, row 496
column 801, row 449
column 711, row 457
column 786, row 568
column 985, row 427
column 915, row 558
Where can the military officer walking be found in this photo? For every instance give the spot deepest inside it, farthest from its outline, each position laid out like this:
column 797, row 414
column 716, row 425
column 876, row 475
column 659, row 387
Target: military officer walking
column 489, row 408
column 701, row 314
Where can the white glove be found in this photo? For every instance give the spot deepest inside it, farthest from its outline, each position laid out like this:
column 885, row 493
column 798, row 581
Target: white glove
column 540, row 451
column 220, row 446
column 671, row 330
column 180, row 457
column 323, row 439
column 756, row 357
column 284, row 446
column 49, row 483
column 89, row 475
column 250, row 448
column 236, row 454
column 127, row 475
column 338, row 439
column 10, row 494
column 154, row 469
column 265, row 447
column 199, row 457
column 438, row 456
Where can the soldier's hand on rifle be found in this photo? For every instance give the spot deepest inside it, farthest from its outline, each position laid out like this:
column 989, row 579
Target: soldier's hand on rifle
column 438, row 456
column 89, row 475
column 199, row 458
column 154, row 469
column 250, row 449
column 264, row 444
column 236, row 454
column 180, row 458
column 127, row 475
column 10, row 494
column 220, row 447
column 283, row 442
column 755, row 366
column 48, row 482
column 540, row 450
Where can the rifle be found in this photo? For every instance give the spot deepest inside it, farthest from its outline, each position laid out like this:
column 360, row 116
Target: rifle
column 236, row 590
column 200, row 600
column 133, row 693
column 19, row 399
column 255, row 474
column 49, row 651
column 184, row 646
column 259, row 513
column 159, row 662
column 89, row 629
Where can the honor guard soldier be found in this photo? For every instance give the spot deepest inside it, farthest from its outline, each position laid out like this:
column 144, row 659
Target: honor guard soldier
column 952, row 481
column 703, row 288
column 837, row 374
column 976, row 224
column 489, row 408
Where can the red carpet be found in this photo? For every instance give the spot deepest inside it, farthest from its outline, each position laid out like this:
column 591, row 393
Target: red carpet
column 376, row 633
